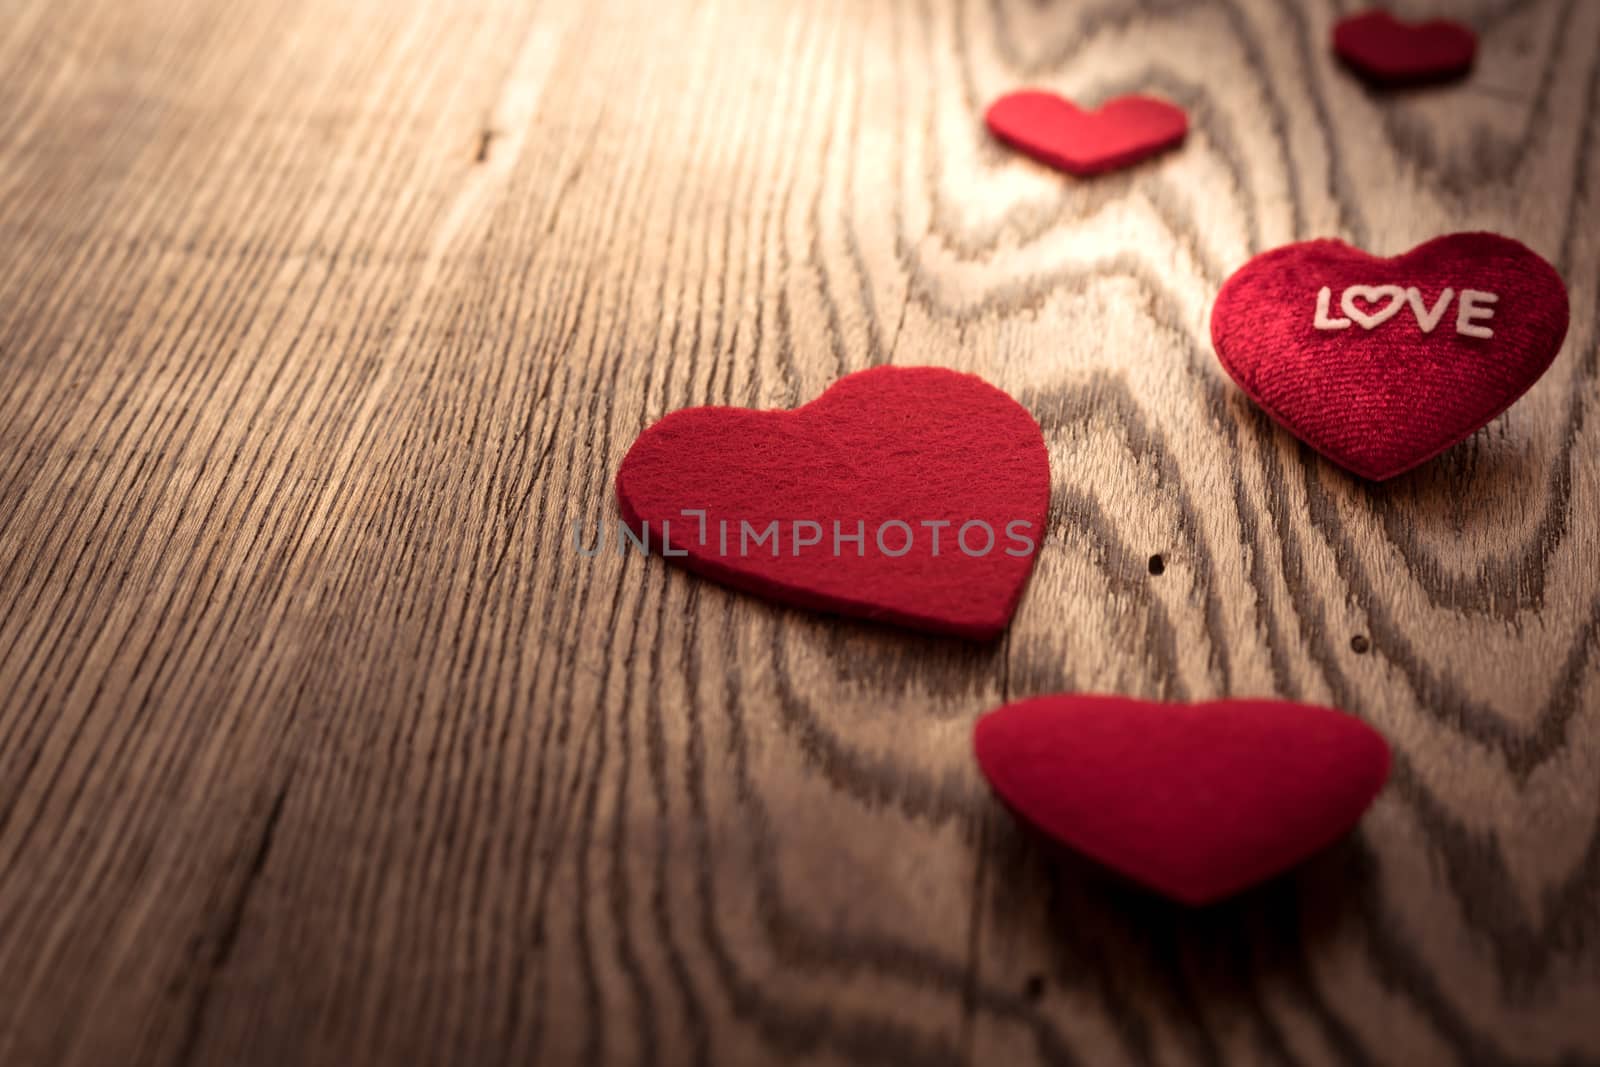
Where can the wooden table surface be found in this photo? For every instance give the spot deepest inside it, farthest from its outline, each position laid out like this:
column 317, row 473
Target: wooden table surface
column 321, row 324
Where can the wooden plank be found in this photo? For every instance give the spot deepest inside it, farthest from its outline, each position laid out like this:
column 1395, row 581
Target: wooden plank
column 320, row 325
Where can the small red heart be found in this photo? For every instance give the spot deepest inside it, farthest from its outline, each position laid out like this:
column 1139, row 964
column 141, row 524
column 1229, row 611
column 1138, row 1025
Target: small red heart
column 943, row 475
column 1058, row 132
column 1389, row 51
column 1381, row 364
column 1197, row 801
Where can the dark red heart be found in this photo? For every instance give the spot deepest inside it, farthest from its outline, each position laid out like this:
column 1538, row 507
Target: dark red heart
column 1388, row 51
column 1058, row 132
column 916, row 446
column 1381, row 394
column 1197, row 801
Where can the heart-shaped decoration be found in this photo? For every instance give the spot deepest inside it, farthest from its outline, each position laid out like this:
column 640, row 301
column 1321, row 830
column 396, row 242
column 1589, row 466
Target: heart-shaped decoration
column 1445, row 337
column 911, row 495
column 1058, row 132
column 1197, row 801
column 1388, row 51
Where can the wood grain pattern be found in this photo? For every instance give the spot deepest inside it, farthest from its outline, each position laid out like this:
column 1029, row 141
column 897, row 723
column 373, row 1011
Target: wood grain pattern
column 321, row 324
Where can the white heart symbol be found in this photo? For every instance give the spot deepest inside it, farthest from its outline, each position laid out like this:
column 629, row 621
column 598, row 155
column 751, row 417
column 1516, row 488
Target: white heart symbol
column 1372, row 294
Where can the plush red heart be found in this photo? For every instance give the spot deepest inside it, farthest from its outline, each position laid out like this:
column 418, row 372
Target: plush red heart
column 944, row 477
column 1058, row 132
column 1381, row 364
column 1388, row 51
column 1197, row 801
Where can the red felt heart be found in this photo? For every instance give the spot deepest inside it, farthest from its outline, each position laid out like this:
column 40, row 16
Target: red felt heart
column 1389, row 51
column 1197, row 801
column 1380, row 364
column 944, row 476
column 1058, row 132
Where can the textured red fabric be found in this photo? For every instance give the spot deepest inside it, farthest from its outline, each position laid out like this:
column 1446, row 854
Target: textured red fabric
column 1056, row 131
column 1388, row 51
column 1196, row 801
column 1380, row 400
column 913, row 445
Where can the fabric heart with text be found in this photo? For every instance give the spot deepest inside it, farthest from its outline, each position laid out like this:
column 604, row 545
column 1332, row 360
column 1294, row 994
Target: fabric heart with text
column 1196, row 801
column 911, row 495
column 1056, row 131
column 1381, row 364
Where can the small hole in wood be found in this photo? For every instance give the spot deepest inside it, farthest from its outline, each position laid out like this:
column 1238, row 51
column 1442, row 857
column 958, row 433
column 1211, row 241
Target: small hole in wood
column 485, row 137
column 1157, row 564
column 1033, row 988
column 1359, row 644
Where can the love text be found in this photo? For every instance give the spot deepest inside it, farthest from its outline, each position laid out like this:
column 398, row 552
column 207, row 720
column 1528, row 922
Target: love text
column 1370, row 306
